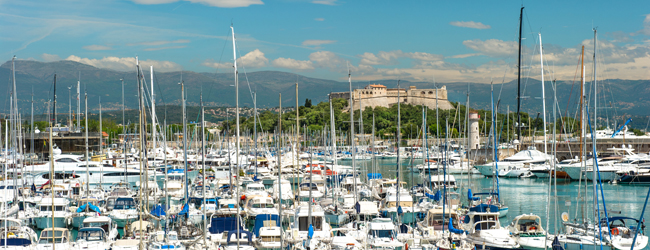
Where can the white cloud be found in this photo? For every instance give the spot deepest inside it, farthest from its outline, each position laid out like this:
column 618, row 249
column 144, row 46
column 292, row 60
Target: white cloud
column 289, row 63
column 493, row 47
column 320, row 19
column 253, row 59
column 50, row 58
column 465, row 55
column 327, row 59
column 390, row 57
column 125, row 63
column 317, row 42
column 213, row 3
column 646, row 25
column 381, row 58
column 325, row 2
column 96, row 47
column 470, row 24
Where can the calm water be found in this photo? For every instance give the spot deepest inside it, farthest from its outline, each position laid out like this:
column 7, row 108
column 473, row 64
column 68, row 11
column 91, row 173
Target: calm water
column 529, row 195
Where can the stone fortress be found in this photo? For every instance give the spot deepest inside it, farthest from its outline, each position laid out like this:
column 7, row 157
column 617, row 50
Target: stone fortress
column 377, row 95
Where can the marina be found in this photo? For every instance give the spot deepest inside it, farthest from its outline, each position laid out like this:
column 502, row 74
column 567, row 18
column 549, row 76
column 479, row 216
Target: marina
column 417, row 171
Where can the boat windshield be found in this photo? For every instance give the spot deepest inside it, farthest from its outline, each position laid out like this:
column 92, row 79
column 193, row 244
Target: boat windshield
column 124, row 204
column 263, row 205
column 381, row 233
column 402, row 203
column 269, row 239
column 93, row 235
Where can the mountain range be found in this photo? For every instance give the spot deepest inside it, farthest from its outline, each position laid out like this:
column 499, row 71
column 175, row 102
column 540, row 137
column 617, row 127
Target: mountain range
column 617, row 98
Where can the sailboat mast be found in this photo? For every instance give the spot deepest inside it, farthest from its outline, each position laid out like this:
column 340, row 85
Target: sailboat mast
column 541, row 62
column 53, row 107
column 352, row 142
column 594, row 135
column 521, row 14
column 398, row 144
column 279, row 154
column 153, row 116
column 203, row 173
column 234, row 53
column 86, row 141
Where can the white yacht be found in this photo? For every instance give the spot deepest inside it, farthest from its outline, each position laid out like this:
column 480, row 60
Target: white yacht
column 124, row 211
column 517, row 165
column 529, row 233
column 54, row 238
column 484, row 230
column 43, row 219
column 105, row 223
column 19, row 236
column 382, row 234
column 92, row 238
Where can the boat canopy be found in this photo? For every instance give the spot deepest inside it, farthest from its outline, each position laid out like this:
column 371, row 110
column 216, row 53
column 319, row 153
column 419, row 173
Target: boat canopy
column 482, row 208
column 90, row 206
column 374, row 176
column 265, row 220
column 221, row 224
column 15, row 242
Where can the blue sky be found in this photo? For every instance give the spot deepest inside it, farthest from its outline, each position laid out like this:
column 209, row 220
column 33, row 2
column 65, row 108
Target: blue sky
column 413, row 40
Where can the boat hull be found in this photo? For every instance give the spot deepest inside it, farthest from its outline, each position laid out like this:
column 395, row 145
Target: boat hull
column 46, row 222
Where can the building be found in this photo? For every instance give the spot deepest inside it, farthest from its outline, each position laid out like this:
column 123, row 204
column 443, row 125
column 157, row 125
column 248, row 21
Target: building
column 377, row 95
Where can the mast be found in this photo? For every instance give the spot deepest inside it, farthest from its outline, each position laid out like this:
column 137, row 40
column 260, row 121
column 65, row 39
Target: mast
column 51, row 185
column 333, row 132
column 352, row 142
column 398, row 144
column 79, row 101
column 541, row 63
column 153, row 116
column 53, row 107
column 69, row 106
column 203, row 182
column 86, row 142
column 279, row 152
column 234, row 53
column 593, row 135
column 255, row 127
column 521, row 13
column 101, row 135
column 124, row 136
column 143, row 147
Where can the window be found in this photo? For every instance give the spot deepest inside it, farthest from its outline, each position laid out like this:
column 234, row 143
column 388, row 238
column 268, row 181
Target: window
column 430, row 92
column 381, row 233
column 423, row 92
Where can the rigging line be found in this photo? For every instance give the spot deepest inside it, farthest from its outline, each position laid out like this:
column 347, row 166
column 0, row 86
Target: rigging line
column 225, row 42
column 575, row 75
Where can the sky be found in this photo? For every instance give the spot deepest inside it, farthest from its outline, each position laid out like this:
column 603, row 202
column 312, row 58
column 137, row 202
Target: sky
column 442, row 41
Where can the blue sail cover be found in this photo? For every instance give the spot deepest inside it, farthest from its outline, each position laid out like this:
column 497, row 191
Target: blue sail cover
column 374, row 176
column 158, row 211
column 454, row 230
column 221, row 224
column 470, row 196
column 90, row 206
column 435, row 197
column 261, row 218
column 16, row 242
column 482, row 208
